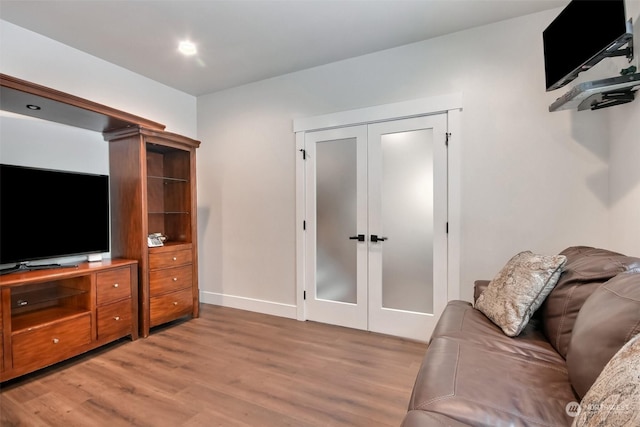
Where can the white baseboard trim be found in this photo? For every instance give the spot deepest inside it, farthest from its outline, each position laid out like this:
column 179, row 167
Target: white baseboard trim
column 250, row 304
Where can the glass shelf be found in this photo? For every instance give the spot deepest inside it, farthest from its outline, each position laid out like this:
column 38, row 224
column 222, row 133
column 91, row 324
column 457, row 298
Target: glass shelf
column 169, row 213
column 168, row 180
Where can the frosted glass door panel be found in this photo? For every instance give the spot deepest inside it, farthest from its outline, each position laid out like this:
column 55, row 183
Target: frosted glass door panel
column 336, row 216
column 375, row 245
column 407, row 220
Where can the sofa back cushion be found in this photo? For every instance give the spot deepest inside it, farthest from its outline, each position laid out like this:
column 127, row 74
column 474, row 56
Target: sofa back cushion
column 586, row 270
column 613, row 398
column 608, row 319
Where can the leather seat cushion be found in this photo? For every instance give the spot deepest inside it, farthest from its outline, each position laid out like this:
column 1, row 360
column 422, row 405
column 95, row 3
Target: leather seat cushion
column 461, row 322
column 483, row 386
column 477, row 375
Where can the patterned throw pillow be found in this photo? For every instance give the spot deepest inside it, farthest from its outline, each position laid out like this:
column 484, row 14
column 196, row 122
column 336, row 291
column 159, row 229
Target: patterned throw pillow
column 519, row 289
column 614, row 399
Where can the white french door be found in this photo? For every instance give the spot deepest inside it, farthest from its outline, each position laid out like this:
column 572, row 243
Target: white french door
column 376, row 213
column 337, row 226
column 407, row 200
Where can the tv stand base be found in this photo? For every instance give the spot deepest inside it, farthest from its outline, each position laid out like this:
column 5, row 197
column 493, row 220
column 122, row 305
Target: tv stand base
column 25, row 266
column 48, row 316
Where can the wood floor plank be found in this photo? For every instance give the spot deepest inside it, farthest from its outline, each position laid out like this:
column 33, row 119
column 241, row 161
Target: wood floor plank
column 226, row 368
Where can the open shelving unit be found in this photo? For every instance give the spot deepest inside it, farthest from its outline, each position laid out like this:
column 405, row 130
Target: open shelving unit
column 154, row 177
column 41, row 304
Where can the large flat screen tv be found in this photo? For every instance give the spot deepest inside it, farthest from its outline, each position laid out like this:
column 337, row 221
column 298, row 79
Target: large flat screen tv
column 48, row 214
column 584, row 33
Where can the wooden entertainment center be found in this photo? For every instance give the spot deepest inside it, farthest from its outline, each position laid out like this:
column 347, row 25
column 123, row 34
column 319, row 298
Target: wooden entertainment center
column 51, row 315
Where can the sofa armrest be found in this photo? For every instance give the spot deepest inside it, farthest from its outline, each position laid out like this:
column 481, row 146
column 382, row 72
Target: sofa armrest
column 478, row 287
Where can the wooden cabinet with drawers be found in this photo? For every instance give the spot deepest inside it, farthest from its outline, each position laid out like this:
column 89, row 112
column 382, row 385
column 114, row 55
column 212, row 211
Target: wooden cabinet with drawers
column 170, row 283
column 51, row 315
column 113, row 301
column 153, row 181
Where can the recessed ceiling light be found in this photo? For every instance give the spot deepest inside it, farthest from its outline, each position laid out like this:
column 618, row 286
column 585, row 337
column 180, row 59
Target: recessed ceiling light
column 33, row 107
column 187, row 48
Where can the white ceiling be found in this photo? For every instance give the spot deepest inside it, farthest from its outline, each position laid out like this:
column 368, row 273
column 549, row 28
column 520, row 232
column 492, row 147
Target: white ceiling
column 242, row 41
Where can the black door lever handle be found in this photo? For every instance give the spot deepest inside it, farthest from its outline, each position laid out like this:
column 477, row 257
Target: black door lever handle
column 359, row 238
column 375, row 238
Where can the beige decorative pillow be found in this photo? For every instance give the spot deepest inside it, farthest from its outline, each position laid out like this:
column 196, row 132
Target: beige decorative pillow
column 519, row 289
column 614, row 399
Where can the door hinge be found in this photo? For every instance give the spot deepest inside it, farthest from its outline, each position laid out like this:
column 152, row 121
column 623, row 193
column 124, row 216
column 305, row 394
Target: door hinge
column 304, row 153
column 446, row 228
column 304, row 225
column 304, row 295
column 447, row 136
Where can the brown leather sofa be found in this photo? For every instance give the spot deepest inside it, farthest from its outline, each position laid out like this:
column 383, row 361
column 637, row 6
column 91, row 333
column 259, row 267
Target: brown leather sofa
column 473, row 374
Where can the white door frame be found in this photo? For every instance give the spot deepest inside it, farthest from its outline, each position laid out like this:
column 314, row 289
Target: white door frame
column 449, row 104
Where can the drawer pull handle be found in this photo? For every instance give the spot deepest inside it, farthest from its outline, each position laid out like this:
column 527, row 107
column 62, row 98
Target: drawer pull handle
column 115, row 285
column 116, row 318
column 175, row 259
column 175, row 279
column 56, row 340
column 175, row 303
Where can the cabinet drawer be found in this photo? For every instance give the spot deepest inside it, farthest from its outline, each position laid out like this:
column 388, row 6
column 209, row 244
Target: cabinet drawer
column 169, row 259
column 168, row 307
column 57, row 341
column 114, row 320
column 113, row 285
column 170, row 279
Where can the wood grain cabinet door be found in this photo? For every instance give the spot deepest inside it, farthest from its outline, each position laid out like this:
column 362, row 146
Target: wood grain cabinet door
column 170, row 279
column 114, row 320
column 168, row 307
column 51, row 343
column 170, row 259
column 113, row 285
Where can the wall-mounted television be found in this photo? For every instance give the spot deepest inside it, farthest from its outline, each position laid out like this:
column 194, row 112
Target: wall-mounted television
column 48, row 214
column 585, row 32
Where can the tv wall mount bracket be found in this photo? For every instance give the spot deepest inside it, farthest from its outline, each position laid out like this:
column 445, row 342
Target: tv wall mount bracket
column 609, row 99
column 626, row 51
column 599, row 94
column 605, row 93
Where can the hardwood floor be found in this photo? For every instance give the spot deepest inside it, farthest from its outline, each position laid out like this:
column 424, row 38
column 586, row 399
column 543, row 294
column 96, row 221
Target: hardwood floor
column 227, row 368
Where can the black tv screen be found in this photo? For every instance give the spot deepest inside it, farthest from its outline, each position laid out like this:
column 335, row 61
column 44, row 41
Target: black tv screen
column 580, row 37
column 51, row 214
